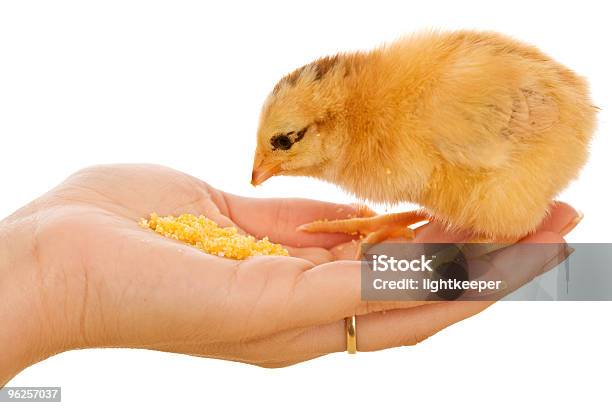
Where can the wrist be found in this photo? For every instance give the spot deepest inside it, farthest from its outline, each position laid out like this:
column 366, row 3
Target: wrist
column 24, row 335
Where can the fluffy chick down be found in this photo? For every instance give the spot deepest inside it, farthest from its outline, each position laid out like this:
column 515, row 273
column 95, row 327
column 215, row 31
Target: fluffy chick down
column 481, row 130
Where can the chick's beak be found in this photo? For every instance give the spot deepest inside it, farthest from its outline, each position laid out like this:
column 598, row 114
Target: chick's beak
column 263, row 169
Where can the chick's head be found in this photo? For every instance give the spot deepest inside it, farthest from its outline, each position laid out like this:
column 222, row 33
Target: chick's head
column 300, row 123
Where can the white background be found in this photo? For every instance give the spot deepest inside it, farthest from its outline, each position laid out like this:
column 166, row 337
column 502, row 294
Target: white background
column 181, row 83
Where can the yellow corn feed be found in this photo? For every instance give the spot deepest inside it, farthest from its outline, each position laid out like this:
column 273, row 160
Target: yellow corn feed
column 206, row 235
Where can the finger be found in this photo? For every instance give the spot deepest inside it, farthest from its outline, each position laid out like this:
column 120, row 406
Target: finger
column 517, row 265
column 562, row 218
column 375, row 331
column 330, row 292
column 333, row 290
column 278, row 219
column 409, row 327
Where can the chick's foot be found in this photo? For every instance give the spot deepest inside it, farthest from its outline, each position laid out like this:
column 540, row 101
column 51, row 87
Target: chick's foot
column 371, row 230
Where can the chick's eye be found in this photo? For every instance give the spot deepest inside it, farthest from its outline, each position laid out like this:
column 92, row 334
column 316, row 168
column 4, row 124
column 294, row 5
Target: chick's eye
column 282, row 142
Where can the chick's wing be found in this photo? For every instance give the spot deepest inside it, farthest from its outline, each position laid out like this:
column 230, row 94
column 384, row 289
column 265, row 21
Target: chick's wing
column 482, row 122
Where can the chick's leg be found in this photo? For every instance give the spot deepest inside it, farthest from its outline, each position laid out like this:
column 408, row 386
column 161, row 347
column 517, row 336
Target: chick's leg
column 372, row 229
column 386, row 225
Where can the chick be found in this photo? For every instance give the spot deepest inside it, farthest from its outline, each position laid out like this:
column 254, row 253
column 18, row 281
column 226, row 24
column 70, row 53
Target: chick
column 480, row 130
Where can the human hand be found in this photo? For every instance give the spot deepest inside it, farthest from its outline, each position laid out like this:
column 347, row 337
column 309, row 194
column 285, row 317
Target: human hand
column 78, row 272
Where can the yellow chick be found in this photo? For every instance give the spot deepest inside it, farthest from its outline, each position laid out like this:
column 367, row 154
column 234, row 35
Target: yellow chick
column 479, row 129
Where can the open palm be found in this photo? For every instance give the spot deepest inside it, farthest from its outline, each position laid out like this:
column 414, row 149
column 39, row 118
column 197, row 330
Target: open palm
column 110, row 283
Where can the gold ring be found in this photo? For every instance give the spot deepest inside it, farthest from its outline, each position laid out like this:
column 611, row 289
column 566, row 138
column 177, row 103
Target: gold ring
column 351, row 335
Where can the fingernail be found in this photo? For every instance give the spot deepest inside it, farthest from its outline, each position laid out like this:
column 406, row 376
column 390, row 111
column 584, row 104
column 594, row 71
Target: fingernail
column 572, row 224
